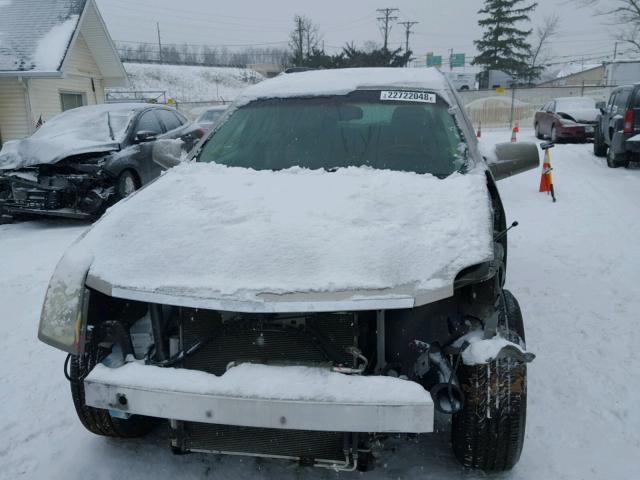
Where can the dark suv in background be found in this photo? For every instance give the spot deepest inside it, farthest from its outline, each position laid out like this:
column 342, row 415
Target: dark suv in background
column 617, row 134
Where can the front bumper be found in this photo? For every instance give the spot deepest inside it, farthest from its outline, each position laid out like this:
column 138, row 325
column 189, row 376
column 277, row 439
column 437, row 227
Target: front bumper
column 187, row 395
column 581, row 132
column 15, row 209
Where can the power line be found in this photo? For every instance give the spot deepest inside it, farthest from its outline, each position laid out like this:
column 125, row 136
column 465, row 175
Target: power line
column 386, row 19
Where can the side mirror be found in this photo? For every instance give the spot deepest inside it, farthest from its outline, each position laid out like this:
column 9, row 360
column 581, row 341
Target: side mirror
column 145, row 136
column 513, row 158
column 167, row 153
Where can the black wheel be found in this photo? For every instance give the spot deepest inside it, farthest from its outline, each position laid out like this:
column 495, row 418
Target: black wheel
column 127, row 184
column 96, row 420
column 539, row 135
column 599, row 147
column 488, row 433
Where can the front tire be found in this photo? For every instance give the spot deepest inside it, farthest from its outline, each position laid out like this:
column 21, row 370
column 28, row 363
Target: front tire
column 126, row 184
column 96, row 420
column 488, row 433
column 599, row 147
column 539, row 135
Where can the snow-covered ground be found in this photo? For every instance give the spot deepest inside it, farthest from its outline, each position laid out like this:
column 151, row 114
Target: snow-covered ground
column 574, row 265
column 186, row 83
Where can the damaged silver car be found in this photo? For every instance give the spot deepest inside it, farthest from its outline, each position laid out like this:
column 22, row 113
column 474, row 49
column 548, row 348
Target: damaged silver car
column 326, row 269
column 86, row 159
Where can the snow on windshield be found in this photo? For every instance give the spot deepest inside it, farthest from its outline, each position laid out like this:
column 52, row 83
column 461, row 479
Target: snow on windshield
column 94, row 123
column 579, row 103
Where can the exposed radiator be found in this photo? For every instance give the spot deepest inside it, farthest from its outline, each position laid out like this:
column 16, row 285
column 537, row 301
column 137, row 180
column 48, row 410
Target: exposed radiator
column 295, row 444
column 262, row 340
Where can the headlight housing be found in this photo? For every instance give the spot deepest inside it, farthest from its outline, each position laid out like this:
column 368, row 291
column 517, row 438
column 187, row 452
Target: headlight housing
column 65, row 303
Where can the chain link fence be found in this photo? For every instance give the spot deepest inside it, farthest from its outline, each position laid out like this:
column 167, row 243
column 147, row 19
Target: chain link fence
column 502, row 110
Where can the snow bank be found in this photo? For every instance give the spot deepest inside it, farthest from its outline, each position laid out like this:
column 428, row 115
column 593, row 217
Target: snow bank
column 268, row 382
column 210, row 231
column 53, row 45
column 186, row 83
column 343, row 81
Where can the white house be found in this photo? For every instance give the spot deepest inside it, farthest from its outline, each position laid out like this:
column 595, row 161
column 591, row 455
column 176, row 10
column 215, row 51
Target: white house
column 54, row 55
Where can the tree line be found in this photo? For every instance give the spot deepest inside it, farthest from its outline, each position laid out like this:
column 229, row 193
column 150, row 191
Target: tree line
column 186, row 54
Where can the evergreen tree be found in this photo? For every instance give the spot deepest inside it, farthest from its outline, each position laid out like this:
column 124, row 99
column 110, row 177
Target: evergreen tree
column 503, row 46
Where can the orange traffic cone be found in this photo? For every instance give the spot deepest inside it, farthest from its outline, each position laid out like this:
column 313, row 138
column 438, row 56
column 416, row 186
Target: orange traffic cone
column 546, row 182
column 514, row 131
column 479, row 133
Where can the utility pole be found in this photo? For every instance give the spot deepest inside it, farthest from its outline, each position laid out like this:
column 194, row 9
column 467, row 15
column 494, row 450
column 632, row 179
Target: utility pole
column 159, row 42
column 615, row 50
column 300, row 31
column 407, row 30
column 450, row 57
column 386, row 19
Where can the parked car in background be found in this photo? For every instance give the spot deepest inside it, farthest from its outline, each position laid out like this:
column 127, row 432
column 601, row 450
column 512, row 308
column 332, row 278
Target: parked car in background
column 566, row 118
column 327, row 267
column 85, row 159
column 617, row 133
column 210, row 116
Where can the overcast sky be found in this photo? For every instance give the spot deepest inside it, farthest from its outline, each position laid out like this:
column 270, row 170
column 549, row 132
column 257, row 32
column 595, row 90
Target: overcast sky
column 444, row 24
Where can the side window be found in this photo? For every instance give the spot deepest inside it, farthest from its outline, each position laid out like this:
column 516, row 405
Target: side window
column 636, row 99
column 149, row 123
column 621, row 99
column 170, row 120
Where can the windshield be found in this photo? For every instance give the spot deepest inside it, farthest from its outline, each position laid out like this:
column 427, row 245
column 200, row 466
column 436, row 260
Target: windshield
column 210, row 116
column 575, row 104
column 357, row 130
column 89, row 123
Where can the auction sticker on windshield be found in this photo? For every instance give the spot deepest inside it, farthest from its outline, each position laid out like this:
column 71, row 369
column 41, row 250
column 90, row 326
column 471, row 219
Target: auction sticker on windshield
column 404, row 96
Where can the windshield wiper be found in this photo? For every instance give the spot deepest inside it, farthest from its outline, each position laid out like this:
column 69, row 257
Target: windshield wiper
column 110, row 127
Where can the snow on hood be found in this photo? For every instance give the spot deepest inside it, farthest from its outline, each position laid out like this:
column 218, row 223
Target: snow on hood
column 343, row 81
column 81, row 130
column 581, row 115
column 210, row 231
column 580, row 109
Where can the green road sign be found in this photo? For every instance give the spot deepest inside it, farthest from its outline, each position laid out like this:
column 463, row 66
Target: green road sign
column 456, row 60
column 434, row 60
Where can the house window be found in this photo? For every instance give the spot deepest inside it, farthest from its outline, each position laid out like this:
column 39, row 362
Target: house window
column 71, row 100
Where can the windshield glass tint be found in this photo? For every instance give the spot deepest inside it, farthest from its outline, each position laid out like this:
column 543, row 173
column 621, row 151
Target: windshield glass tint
column 333, row 132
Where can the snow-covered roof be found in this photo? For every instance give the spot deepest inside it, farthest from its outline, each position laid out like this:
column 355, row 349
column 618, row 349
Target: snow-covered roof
column 36, row 37
column 573, row 68
column 35, row 34
column 343, row 81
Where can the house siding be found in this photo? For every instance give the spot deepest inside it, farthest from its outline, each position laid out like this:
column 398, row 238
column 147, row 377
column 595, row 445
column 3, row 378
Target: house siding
column 79, row 69
column 14, row 121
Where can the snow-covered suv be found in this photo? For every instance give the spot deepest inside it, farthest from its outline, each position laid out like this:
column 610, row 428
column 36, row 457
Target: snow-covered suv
column 617, row 133
column 329, row 265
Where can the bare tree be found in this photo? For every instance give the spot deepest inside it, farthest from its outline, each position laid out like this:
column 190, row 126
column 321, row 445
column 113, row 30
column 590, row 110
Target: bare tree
column 304, row 39
column 625, row 13
column 540, row 45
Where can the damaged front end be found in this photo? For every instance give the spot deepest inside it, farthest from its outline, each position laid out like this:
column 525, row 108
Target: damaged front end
column 77, row 187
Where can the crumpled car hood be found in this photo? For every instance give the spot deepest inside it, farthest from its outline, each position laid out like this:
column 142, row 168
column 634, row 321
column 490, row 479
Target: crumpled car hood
column 30, row 152
column 296, row 240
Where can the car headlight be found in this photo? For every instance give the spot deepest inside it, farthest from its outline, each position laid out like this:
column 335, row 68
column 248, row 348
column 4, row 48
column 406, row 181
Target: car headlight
column 65, row 302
